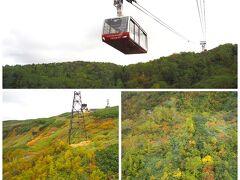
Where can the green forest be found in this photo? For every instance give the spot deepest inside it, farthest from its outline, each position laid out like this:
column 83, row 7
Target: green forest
column 216, row 68
column 38, row 148
column 179, row 135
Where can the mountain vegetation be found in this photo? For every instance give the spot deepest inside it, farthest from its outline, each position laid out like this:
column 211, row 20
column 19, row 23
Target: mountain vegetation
column 179, row 135
column 216, row 68
column 38, row 148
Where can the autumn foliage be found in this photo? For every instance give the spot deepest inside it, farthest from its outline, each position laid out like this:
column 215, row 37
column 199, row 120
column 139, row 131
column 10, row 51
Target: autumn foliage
column 179, row 135
column 38, row 149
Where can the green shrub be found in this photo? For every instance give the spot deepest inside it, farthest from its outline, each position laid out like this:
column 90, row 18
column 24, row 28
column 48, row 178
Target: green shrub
column 111, row 112
column 107, row 159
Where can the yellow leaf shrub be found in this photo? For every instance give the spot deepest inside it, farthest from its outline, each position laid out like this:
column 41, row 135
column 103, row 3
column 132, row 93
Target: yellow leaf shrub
column 207, row 160
column 177, row 173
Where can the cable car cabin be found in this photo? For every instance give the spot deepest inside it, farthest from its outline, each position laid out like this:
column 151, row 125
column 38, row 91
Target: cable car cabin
column 125, row 35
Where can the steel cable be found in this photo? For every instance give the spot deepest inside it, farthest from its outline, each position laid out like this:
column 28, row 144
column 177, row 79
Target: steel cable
column 148, row 13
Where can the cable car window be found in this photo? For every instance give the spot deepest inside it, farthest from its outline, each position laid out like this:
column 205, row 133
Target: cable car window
column 142, row 39
column 131, row 29
column 106, row 28
column 146, row 41
column 116, row 25
column 136, row 34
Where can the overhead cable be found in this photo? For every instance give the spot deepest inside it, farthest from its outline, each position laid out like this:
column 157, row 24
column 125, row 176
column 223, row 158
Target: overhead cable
column 204, row 13
column 148, row 13
column 202, row 16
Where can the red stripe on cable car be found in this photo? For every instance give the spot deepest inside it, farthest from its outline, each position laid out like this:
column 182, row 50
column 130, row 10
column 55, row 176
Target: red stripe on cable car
column 115, row 36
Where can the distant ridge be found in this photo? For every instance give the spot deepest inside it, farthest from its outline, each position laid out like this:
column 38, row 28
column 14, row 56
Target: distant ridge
column 216, row 68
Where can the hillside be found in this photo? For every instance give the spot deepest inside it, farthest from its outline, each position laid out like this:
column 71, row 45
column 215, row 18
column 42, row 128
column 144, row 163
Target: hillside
column 216, row 68
column 184, row 135
column 38, row 148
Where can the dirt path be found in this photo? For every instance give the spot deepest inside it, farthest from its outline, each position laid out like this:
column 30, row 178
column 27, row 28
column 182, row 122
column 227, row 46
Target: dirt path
column 83, row 143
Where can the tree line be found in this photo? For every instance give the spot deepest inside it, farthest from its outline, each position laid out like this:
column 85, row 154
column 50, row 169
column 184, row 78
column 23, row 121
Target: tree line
column 216, row 68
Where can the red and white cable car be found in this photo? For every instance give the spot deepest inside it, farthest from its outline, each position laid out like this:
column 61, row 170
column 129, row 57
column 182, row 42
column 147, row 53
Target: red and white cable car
column 125, row 34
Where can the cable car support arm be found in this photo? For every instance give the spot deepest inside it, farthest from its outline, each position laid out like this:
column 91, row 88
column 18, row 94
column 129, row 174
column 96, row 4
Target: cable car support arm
column 119, row 5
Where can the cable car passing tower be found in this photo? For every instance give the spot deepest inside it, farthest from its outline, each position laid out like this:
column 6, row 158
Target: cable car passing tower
column 77, row 121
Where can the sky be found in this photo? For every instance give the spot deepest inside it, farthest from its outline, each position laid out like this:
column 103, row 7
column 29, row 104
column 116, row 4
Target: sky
column 45, row 31
column 30, row 104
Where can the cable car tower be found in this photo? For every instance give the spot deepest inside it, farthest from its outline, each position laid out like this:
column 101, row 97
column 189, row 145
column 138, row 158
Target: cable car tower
column 77, row 121
column 107, row 104
column 203, row 44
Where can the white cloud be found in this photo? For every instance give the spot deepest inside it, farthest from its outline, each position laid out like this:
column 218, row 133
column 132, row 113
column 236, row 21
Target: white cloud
column 46, row 31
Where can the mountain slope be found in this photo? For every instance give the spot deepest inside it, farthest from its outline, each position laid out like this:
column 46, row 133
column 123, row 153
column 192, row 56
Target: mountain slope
column 38, row 149
column 184, row 135
column 216, row 68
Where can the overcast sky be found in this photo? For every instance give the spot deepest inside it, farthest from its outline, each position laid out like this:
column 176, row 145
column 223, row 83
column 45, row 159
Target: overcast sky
column 44, row 31
column 28, row 104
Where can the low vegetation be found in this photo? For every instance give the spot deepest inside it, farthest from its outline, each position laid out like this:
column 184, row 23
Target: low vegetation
column 38, row 148
column 111, row 112
column 184, row 135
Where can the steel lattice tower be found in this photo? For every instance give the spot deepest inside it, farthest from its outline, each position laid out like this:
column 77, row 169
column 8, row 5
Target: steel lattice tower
column 77, row 121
